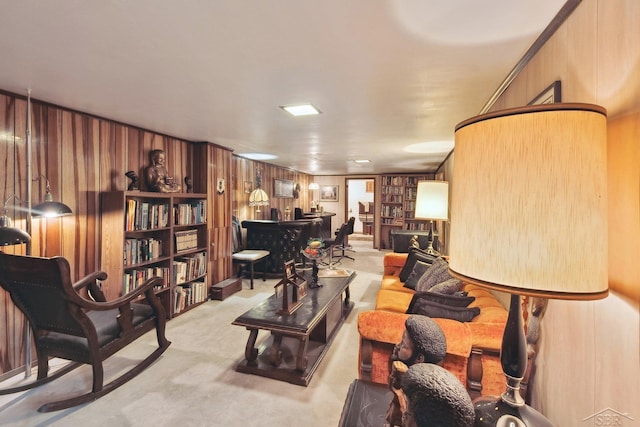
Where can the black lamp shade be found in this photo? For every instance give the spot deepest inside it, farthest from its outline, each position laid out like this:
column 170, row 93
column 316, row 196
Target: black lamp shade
column 50, row 210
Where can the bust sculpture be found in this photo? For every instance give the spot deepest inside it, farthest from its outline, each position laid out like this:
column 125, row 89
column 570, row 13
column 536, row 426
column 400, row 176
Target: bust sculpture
column 423, row 341
column 157, row 176
column 435, row 398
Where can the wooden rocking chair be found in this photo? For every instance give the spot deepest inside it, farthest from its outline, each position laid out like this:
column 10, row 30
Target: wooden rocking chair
column 69, row 326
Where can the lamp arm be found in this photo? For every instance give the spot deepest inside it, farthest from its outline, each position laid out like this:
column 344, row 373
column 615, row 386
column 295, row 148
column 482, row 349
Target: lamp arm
column 48, row 197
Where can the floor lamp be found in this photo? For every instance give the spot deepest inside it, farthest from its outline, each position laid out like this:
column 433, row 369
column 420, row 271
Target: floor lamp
column 529, row 217
column 432, row 203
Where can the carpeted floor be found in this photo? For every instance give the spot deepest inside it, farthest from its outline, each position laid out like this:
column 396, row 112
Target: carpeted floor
column 194, row 383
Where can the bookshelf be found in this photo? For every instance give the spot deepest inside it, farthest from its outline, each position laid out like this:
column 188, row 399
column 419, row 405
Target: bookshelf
column 398, row 204
column 162, row 234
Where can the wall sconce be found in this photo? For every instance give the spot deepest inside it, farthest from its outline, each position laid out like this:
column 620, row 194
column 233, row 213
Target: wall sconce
column 49, row 208
column 10, row 235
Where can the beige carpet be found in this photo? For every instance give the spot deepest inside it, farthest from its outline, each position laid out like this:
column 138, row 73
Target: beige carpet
column 194, row 383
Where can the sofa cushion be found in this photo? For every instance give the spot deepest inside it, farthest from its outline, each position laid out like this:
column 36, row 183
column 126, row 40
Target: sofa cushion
column 450, row 300
column 448, row 287
column 390, row 300
column 434, row 309
column 415, row 254
column 419, row 268
column 437, row 273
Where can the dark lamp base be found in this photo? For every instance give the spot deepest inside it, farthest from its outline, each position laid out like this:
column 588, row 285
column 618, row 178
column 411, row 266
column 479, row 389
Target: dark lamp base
column 492, row 411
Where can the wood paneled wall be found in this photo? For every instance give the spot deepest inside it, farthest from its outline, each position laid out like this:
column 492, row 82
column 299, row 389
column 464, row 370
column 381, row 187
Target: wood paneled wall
column 246, row 170
column 82, row 156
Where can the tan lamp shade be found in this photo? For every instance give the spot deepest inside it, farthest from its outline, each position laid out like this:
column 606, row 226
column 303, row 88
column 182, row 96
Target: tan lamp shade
column 258, row 197
column 529, row 201
column 314, row 186
column 432, row 200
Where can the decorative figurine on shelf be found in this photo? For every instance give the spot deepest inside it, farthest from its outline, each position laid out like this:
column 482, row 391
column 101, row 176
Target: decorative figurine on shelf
column 314, row 251
column 188, row 182
column 423, row 341
column 292, row 288
column 413, row 243
column 157, row 176
column 133, row 185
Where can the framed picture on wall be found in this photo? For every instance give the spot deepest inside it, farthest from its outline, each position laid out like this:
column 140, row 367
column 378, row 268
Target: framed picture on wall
column 551, row 95
column 329, row 193
column 248, row 187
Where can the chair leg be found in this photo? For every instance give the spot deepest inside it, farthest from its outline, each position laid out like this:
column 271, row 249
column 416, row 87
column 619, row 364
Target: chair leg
column 251, row 272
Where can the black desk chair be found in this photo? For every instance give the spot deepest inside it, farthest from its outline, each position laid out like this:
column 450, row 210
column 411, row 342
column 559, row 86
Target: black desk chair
column 247, row 256
column 345, row 246
column 337, row 243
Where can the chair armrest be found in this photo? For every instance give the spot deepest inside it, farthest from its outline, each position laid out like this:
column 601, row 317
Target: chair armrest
column 90, row 282
column 146, row 288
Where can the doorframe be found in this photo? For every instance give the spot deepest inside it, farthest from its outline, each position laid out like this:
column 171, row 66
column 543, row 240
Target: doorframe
column 348, row 195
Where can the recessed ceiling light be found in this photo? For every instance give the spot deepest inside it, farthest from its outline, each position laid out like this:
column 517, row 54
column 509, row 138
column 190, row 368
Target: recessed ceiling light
column 258, row 156
column 362, row 161
column 433, row 147
column 300, row 109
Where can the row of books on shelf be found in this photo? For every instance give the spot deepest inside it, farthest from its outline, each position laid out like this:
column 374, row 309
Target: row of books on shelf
column 190, row 213
column 193, row 293
column 186, row 240
column 388, row 198
column 392, row 180
column 417, row 226
column 391, row 221
column 413, row 180
column 393, row 190
column 392, row 211
column 141, row 250
column 134, row 278
column 189, row 267
column 142, row 215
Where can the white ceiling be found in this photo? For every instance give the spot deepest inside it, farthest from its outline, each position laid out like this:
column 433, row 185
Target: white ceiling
column 385, row 74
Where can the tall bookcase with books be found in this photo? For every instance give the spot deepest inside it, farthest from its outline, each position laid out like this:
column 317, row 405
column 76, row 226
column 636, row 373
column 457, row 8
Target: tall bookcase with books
column 398, row 205
column 148, row 234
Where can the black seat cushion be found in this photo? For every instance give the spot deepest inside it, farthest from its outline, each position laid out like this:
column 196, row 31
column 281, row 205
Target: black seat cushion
column 107, row 329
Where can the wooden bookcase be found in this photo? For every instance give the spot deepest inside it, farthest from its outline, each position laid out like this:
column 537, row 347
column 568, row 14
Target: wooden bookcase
column 398, row 204
column 164, row 234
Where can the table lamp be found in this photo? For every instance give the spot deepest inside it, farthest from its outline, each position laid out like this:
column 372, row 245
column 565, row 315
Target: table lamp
column 529, row 217
column 432, row 203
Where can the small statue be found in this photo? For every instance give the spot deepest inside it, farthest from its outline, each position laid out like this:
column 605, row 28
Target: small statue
column 189, row 183
column 423, row 341
column 133, row 185
column 434, row 396
column 157, row 176
column 413, row 243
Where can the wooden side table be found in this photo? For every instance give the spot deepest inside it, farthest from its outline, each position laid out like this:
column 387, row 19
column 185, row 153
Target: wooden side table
column 366, row 405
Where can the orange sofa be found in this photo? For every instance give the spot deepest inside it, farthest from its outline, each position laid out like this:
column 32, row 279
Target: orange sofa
column 473, row 348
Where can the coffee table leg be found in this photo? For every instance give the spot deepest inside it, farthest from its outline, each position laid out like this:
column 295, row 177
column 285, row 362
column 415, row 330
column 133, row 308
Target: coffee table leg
column 301, row 359
column 347, row 296
column 276, row 353
column 250, row 351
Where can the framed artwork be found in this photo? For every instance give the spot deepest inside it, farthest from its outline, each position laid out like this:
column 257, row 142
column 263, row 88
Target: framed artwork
column 283, row 188
column 248, row 187
column 550, row 95
column 329, row 193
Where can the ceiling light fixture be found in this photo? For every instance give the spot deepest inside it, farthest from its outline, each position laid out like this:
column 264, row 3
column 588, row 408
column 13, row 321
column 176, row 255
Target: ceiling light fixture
column 301, row 110
column 362, row 161
column 258, row 156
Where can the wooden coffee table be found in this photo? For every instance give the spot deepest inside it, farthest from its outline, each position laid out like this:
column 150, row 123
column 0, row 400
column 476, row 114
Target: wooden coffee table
column 298, row 341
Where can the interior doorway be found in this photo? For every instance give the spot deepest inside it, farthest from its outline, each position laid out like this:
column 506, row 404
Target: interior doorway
column 360, row 204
